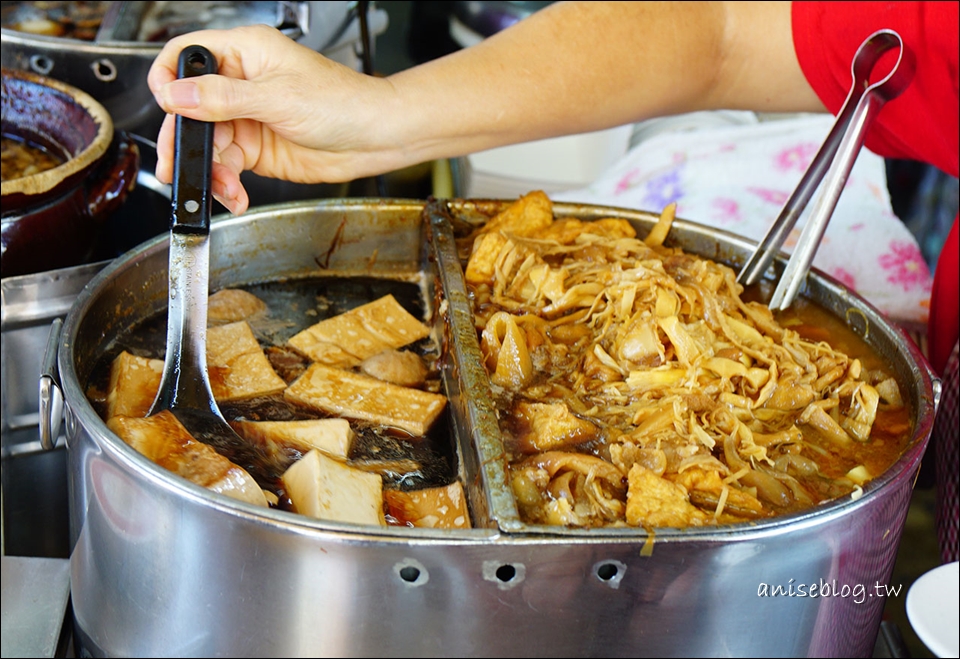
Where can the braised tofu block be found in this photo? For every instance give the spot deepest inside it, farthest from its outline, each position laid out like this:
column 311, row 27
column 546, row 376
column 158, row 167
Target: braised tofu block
column 611, row 227
column 549, row 427
column 482, row 264
column 231, row 305
column 432, row 507
column 332, row 436
column 655, row 501
column 237, row 365
column 325, row 488
column 531, row 213
column 347, row 339
column 343, row 393
column 164, row 440
column 134, row 382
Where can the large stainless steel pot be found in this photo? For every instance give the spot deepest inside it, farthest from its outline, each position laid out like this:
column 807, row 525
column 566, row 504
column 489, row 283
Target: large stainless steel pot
column 161, row 567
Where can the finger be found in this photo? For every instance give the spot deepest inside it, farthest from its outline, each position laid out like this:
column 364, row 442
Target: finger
column 229, row 157
column 227, row 188
column 213, row 98
column 160, row 73
column 223, row 137
column 230, row 93
column 164, row 66
column 232, row 158
column 165, row 148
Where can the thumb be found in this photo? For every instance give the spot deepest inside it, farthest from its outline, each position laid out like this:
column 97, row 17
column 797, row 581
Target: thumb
column 179, row 95
column 207, row 98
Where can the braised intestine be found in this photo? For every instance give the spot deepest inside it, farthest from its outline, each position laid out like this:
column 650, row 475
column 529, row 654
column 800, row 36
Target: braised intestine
column 638, row 387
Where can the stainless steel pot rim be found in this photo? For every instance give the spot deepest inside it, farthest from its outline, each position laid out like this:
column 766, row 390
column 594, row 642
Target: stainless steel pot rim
column 80, row 46
column 86, row 416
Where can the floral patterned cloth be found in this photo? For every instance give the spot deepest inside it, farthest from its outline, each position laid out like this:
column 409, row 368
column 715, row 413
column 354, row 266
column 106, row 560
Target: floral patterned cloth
column 737, row 178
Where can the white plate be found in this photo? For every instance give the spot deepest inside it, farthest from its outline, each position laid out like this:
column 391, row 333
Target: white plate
column 933, row 607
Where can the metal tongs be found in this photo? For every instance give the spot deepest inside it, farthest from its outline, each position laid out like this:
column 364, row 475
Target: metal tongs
column 833, row 162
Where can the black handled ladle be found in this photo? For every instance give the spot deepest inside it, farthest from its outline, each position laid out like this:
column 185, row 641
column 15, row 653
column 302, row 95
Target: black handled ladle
column 185, row 385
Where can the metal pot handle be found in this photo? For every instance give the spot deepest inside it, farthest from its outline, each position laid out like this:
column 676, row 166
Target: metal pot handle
column 51, row 396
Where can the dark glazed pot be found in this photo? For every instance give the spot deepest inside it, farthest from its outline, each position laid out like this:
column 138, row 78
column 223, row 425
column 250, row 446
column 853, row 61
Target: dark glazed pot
column 54, row 219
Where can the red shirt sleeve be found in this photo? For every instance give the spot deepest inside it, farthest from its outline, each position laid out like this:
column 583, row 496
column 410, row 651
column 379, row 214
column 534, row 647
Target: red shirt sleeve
column 921, row 124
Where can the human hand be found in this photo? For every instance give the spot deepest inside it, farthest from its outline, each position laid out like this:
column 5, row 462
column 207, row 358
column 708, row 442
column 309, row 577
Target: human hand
column 281, row 111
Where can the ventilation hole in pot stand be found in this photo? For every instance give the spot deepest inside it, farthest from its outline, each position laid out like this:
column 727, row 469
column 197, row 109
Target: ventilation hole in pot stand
column 607, row 571
column 506, row 573
column 104, row 70
column 41, row 64
column 410, row 574
column 610, row 572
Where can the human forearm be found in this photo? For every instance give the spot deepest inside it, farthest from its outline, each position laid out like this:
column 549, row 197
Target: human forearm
column 285, row 111
column 578, row 67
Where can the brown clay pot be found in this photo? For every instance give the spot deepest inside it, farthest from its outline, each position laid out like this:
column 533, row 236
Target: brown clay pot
column 54, row 218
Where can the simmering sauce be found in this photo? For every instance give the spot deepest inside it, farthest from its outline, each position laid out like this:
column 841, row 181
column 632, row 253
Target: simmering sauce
column 20, row 158
column 404, row 461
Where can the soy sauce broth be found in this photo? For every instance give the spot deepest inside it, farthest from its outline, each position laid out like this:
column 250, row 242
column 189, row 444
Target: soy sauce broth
column 893, row 427
column 20, row 158
column 405, row 462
